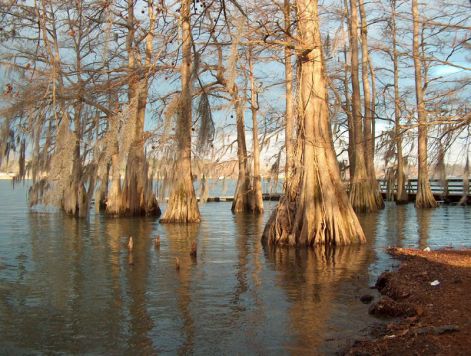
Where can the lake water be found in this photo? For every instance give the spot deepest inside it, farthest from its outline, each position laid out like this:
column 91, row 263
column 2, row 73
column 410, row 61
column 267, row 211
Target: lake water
column 66, row 285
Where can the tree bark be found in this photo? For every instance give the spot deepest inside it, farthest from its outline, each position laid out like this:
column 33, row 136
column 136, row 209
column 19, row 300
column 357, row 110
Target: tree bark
column 320, row 214
column 242, row 197
column 75, row 200
column 136, row 196
column 364, row 195
column 289, row 115
column 401, row 194
column 257, row 199
column 367, row 131
column 368, row 102
column 348, row 101
column 424, row 197
column 183, row 205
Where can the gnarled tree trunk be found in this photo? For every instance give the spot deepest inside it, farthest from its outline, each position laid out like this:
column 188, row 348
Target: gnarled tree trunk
column 320, row 213
column 183, row 205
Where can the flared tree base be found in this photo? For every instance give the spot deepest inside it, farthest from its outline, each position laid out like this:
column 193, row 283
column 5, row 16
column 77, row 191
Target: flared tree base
column 182, row 206
column 424, row 198
column 425, row 201
column 401, row 198
column 365, row 196
column 243, row 196
column 319, row 214
column 120, row 210
column 402, row 201
column 327, row 224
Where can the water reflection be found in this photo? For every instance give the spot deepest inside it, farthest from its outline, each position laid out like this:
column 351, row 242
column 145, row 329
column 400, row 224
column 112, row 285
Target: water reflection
column 424, row 217
column 315, row 281
column 180, row 239
column 66, row 285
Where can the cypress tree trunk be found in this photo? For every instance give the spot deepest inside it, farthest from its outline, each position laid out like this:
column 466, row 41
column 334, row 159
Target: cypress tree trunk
column 368, row 102
column 289, row 117
column 182, row 205
column 75, row 200
column 242, row 197
column 320, row 213
column 424, row 197
column 257, row 199
column 363, row 193
column 401, row 195
column 367, row 132
column 114, row 197
column 348, row 102
column 135, row 197
column 100, row 196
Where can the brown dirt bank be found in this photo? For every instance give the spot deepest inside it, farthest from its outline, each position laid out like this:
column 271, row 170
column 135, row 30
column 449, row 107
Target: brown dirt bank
column 431, row 320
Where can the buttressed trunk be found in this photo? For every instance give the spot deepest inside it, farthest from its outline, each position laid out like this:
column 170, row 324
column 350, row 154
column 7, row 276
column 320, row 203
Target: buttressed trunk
column 75, row 200
column 364, row 192
column 321, row 213
column 242, row 197
column 136, row 197
column 182, row 205
column 424, row 197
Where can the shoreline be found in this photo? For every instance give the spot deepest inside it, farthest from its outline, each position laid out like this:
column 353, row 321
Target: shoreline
column 426, row 303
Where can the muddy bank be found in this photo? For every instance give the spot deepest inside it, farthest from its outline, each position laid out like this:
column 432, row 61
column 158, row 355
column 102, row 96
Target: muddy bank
column 428, row 301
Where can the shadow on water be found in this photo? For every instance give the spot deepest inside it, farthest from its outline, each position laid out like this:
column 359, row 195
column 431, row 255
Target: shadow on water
column 67, row 285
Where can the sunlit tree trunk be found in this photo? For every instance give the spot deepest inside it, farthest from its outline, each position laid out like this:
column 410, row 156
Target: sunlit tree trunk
column 137, row 197
column 75, row 200
column 348, row 101
column 373, row 113
column 257, row 199
column 424, row 197
column 242, row 197
column 289, row 114
column 113, row 202
column 183, row 205
column 401, row 194
column 101, row 193
column 368, row 100
column 363, row 193
column 321, row 213
column 368, row 118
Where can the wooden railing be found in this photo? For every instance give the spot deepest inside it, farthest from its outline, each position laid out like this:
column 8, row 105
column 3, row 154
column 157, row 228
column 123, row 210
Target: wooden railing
column 453, row 185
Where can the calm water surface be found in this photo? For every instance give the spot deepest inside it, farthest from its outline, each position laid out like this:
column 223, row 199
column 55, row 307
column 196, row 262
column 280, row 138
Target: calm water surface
column 66, row 285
